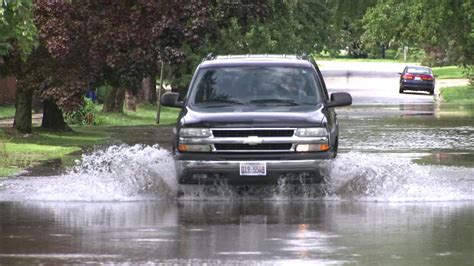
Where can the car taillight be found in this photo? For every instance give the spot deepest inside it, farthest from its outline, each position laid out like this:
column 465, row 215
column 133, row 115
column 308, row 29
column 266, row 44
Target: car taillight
column 407, row 76
column 426, row 77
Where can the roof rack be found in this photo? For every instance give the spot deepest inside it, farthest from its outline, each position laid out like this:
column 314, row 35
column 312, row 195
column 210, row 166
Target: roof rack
column 303, row 56
column 210, row 56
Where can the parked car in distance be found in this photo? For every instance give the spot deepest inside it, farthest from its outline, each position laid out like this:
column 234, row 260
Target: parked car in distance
column 253, row 119
column 417, row 78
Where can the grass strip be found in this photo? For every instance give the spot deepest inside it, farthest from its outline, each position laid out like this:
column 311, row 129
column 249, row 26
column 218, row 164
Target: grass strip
column 458, row 95
column 145, row 115
column 18, row 152
column 7, row 112
column 448, row 72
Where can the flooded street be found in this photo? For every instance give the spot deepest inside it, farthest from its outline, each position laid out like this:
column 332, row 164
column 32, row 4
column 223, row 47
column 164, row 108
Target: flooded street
column 399, row 193
column 273, row 232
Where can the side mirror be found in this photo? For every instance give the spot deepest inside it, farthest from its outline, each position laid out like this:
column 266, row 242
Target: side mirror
column 340, row 99
column 400, row 73
column 170, row 99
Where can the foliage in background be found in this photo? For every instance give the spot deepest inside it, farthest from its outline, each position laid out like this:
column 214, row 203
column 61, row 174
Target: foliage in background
column 125, row 47
column 17, row 28
column 285, row 27
column 444, row 29
column 347, row 19
column 86, row 115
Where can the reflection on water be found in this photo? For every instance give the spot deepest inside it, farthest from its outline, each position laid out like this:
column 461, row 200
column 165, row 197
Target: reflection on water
column 249, row 232
column 409, row 128
column 399, row 193
column 417, row 109
column 449, row 159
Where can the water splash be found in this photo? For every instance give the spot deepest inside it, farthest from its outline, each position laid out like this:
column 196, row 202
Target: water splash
column 387, row 177
column 118, row 173
column 140, row 172
column 360, row 177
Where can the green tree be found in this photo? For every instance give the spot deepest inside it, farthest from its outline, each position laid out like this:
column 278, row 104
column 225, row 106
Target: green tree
column 347, row 20
column 444, row 29
column 18, row 38
column 120, row 50
column 264, row 26
column 17, row 28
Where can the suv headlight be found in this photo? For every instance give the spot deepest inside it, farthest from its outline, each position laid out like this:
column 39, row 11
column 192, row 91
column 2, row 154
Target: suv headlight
column 195, row 132
column 312, row 132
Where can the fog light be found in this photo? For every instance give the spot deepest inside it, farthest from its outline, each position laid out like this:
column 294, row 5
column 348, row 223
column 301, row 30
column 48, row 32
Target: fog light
column 194, row 148
column 312, row 147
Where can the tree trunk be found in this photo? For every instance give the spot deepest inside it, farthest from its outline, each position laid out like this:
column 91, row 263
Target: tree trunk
column 149, row 90
column 22, row 122
column 53, row 118
column 114, row 99
column 131, row 100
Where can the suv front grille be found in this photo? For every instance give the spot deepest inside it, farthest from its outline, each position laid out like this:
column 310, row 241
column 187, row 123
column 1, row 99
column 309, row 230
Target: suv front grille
column 230, row 133
column 259, row 147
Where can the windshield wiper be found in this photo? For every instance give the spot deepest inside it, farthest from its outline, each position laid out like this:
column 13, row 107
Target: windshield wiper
column 284, row 101
column 229, row 101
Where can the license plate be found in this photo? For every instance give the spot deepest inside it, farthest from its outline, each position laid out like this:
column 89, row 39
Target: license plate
column 417, row 78
column 253, row 168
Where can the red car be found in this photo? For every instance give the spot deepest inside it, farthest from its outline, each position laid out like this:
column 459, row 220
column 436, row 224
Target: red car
column 417, row 78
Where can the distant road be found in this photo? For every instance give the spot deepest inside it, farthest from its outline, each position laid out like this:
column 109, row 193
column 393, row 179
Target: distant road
column 370, row 82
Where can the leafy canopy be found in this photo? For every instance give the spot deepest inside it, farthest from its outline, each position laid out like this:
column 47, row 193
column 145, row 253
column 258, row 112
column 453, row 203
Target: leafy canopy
column 17, row 28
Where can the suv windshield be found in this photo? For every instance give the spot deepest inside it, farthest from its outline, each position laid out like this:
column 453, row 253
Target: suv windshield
column 255, row 85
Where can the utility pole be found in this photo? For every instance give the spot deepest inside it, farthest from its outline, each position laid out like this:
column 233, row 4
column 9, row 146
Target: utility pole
column 158, row 96
column 405, row 53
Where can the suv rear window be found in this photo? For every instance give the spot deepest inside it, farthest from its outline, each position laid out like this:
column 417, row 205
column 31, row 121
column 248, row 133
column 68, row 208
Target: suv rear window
column 254, row 84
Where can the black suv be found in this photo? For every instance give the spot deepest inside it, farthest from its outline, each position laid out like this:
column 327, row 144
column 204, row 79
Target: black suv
column 255, row 118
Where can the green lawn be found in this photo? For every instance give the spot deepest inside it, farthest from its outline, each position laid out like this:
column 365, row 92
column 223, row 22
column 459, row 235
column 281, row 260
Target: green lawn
column 458, row 95
column 145, row 115
column 7, row 111
column 448, row 72
column 18, row 152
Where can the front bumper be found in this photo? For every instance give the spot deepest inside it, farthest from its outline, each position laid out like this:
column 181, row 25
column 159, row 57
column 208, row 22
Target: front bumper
column 206, row 171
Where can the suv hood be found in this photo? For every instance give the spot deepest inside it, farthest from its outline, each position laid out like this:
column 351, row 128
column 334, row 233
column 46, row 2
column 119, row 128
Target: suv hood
column 254, row 115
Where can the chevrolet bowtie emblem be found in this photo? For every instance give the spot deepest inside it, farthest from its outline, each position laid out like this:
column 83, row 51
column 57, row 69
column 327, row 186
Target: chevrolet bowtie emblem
column 253, row 140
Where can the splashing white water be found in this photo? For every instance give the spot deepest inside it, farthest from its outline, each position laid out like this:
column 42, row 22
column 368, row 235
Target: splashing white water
column 386, row 177
column 118, row 173
column 360, row 177
column 126, row 173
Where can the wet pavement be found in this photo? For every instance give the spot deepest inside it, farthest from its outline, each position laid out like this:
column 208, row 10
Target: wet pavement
column 399, row 193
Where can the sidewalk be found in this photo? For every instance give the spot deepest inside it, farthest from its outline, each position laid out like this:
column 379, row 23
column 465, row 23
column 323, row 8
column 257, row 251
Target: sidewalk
column 441, row 83
column 8, row 122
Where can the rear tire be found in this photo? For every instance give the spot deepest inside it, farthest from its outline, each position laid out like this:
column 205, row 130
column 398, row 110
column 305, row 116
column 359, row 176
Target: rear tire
column 431, row 92
column 401, row 90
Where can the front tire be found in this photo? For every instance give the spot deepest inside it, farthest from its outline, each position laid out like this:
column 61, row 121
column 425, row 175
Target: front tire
column 336, row 145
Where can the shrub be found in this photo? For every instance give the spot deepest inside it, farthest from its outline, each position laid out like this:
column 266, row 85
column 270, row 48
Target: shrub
column 84, row 116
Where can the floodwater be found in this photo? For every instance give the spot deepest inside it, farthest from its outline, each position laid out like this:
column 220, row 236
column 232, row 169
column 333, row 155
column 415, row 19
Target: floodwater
column 399, row 193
